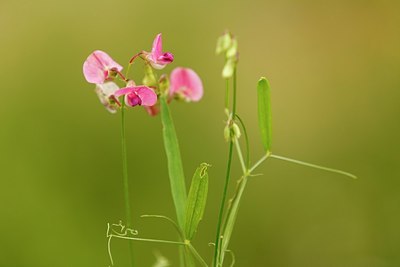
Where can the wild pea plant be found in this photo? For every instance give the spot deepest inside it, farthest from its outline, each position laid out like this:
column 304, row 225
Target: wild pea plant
column 155, row 94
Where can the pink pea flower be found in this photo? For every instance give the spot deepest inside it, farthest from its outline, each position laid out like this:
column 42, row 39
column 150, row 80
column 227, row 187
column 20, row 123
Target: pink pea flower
column 99, row 67
column 138, row 95
column 156, row 57
column 106, row 92
column 185, row 83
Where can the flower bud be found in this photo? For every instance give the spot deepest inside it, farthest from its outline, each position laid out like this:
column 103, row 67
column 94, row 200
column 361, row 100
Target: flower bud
column 235, row 131
column 232, row 50
column 231, row 131
column 223, row 43
column 163, row 84
column 227, row 133
column 228, row 69
column 149, row 79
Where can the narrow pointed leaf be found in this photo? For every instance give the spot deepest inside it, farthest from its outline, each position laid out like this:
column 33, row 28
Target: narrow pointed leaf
column 230, row 220
column 175, row 169
column 264, row 112
column 196, row 201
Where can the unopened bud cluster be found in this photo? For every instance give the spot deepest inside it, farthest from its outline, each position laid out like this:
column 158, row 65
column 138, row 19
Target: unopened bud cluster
column 228, row 45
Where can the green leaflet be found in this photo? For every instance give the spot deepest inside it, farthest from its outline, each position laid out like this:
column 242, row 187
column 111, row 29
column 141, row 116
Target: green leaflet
column 264, row 112
column 230, row 220
column 175, row 168
column 196, row 201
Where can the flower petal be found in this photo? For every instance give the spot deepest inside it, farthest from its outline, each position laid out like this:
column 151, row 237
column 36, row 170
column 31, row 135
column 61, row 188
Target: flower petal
column 104, row 92
column 124, row 91
column 147, row 95
column 97, row 65
column 156, row 50
column 108, row 88
column 186, row 82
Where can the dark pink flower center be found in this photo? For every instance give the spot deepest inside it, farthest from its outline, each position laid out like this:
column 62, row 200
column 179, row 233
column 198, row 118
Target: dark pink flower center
column 133, row 99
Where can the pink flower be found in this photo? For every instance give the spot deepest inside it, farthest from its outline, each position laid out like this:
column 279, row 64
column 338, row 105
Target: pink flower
column 106, row 92
column 157, row 58
column 99, row 67
column 186, row 83
column 138, row 95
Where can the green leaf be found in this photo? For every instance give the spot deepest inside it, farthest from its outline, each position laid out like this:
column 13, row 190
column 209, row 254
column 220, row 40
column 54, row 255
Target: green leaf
column 175, row 168
column 231, row 217
column 264, row 112
column 196, row 201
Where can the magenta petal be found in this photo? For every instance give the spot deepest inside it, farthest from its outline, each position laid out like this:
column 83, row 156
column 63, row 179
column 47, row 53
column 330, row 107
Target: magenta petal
column 97, row 65
column 124, row 91
column 147, row 95
column 186, row 82
column 156, row 50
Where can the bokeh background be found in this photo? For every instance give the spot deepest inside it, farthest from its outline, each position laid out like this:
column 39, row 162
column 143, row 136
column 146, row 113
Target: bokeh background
column 334, row 68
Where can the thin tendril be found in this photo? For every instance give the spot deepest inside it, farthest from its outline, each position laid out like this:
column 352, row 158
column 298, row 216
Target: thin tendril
column 109, row 245
column 168, row 219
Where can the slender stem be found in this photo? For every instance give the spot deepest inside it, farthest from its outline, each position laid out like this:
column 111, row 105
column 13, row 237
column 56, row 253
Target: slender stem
column 227, row 179
column 150, row 240
column 121, row 75
column 221, row 210
column 240, row 156
column 258, row 163
column 246, row 137
column 125, row 177
column 197, row 255
column 227, row 94
column 314, row 166
column 131, row 62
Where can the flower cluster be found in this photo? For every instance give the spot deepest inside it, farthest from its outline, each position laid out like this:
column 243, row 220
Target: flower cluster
column 100, row 69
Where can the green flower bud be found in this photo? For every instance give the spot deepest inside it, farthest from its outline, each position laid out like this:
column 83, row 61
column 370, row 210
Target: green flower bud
column 227, row 133
column 164, row 84
column 232, row 50
column 228, row 69
column 149, row 79
column 223, row 43
column 235, row 132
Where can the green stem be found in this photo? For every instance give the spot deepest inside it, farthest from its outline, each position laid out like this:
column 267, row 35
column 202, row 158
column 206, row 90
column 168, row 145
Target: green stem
column 197, row 255
column 258, row 163
column 240, row 156
column 234, row 203
column 150, row 240
column 227, row 179
column 221, row 210
column 314, row 166
column 246, row 137
column 125, row 178
column 227, row 94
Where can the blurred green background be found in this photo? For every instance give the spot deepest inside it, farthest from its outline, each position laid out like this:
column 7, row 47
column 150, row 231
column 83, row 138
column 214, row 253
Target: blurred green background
column 334, row 68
